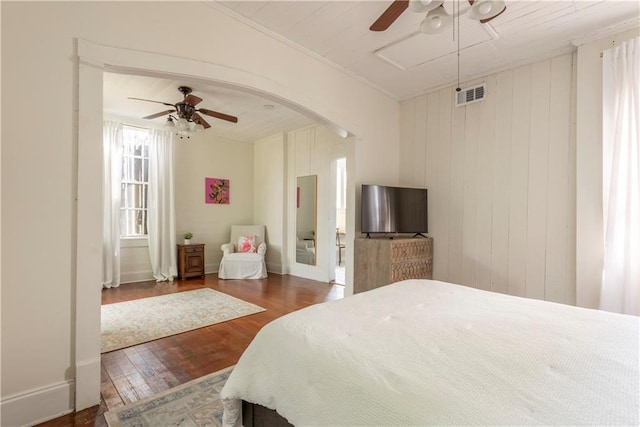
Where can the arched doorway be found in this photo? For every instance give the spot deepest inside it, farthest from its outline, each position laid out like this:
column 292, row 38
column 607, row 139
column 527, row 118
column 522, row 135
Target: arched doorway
column 94, row 59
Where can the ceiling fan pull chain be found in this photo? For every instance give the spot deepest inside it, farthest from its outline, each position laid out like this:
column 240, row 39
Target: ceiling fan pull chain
column 458, row 23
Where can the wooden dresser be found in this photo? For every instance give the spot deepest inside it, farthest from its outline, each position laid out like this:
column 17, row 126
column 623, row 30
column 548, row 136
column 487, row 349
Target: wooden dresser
column 191, row 260
column 378, row 262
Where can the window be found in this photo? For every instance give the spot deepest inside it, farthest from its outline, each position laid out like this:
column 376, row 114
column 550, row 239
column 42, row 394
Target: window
column 135, row 182
column 341, row 191
column 620, row 286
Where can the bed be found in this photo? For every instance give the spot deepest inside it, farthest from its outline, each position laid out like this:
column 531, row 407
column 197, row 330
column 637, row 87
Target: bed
column 424, row 352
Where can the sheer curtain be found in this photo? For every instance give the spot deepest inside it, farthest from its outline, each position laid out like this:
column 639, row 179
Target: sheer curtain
column 162, row 236
column 111, row 181
column 620, row 290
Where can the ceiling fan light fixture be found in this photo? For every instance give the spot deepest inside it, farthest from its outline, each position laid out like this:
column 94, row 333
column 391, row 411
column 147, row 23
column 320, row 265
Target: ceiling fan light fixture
column 436, row 21
column 422, row 6
column 182, row 124
column 486, row 9
column 169, row 123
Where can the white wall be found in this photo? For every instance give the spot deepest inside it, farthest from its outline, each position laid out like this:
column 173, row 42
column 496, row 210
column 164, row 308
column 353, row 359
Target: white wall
column 269, row 183
column 259, row 201
column 589, row 223
column 212, row 157
column 500, row 175
column 257, row 193
column 135, row 263
column 40, row 160
column 199, row 157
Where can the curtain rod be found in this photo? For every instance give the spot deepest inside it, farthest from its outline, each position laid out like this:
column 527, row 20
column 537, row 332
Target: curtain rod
column 135, row 126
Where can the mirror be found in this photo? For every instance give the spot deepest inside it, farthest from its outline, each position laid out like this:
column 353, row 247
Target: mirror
column 306, row 219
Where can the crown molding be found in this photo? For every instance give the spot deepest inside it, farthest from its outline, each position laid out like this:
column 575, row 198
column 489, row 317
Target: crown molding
column 625, row 25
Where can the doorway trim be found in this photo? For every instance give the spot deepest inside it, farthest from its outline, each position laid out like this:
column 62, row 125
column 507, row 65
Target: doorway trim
column 93, row 60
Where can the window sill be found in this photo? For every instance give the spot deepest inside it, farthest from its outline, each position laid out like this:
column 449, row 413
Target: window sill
column 134, row 242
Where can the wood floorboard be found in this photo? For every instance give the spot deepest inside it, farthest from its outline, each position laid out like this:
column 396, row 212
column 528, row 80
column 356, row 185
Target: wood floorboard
column 152, row 370
column 131, row 374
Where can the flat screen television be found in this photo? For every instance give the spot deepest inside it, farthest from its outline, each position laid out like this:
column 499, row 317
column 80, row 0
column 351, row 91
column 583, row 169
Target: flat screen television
column 393, row 210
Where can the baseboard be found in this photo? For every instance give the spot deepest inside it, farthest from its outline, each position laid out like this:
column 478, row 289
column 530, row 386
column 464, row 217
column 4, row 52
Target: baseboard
column 136, row 276
column 146, row 276
column 38, row 405
column 87, row 384
column 275, row 268
column 211, row 268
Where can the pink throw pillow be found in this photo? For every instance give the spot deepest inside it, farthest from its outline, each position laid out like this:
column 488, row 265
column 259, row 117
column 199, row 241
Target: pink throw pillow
column 247, row 244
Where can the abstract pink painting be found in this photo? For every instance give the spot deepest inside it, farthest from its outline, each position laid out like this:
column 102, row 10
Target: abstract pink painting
column 216, row 190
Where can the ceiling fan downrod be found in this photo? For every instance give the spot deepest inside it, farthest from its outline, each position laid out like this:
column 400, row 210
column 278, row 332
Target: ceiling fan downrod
column 185, row 111
column 185, row 90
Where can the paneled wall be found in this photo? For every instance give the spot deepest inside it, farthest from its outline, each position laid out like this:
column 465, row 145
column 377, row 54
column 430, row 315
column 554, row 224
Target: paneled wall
column 501, row 180
column 269, row 183
column 313, row 151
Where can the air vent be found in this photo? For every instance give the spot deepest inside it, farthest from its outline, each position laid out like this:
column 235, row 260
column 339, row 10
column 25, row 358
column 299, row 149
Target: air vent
column 470, row 95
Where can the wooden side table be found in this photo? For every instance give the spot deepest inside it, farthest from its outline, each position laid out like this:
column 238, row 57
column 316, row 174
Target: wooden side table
column 190, row 260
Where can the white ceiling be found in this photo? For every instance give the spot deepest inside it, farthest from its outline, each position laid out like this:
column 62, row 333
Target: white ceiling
column 401, row 61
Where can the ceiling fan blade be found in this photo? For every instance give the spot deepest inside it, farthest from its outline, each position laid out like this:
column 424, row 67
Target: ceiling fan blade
column 220, row 116
column 484, row 21
column 389, row 16
column 192, row 100
column 197, row 119
column 153, row 116
column 150, row 100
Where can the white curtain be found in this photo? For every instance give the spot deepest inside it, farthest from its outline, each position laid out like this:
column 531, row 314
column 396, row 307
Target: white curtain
column 111, row 191
column 620, row 290
column 161, row 216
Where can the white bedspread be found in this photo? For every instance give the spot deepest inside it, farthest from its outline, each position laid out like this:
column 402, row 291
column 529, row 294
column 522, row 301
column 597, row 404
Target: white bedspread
column 424, row 352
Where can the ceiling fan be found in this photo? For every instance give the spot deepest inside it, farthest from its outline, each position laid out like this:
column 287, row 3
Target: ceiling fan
column 440, row 13
column 187, row 113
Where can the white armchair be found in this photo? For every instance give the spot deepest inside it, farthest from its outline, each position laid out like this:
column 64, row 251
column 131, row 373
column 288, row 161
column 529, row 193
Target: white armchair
column 244, row 265
column 305, row 252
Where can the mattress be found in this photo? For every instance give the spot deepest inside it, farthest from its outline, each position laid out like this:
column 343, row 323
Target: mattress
column 424, row 352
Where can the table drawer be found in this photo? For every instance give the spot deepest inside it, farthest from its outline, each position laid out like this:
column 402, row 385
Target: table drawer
column 411, row 270
column 408, row 250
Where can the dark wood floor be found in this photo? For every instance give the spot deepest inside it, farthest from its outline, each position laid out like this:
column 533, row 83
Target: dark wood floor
column 140, row 371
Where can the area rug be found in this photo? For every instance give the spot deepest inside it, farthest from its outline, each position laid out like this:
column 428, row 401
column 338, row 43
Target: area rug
column 133, row 322
column 196, row 403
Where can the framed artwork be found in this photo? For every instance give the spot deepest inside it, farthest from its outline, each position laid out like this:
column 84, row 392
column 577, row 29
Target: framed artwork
column 216, row 190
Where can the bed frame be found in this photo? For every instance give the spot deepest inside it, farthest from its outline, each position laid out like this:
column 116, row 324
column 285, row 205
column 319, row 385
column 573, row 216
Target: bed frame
column 254, row 415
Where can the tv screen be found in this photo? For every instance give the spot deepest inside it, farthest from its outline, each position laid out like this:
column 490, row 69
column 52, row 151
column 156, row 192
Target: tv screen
column 393, row 209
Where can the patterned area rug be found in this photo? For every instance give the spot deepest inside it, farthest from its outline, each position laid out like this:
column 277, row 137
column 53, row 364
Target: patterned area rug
column 196, row 403
column 133, row 322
